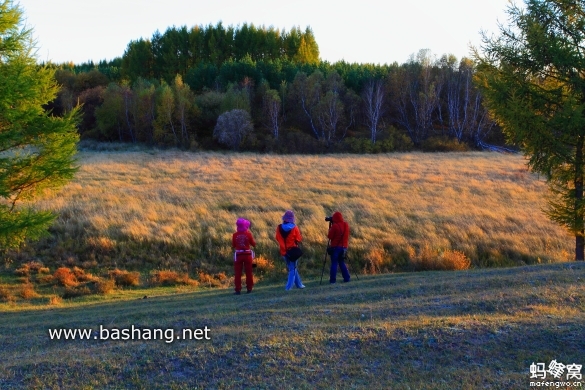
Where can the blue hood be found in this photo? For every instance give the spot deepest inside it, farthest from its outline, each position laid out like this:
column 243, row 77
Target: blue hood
column 287, row 227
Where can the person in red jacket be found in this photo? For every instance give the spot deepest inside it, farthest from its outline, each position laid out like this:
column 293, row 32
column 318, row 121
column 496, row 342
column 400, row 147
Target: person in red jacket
column 339, row 236
column 242, row 239
column 289, row 236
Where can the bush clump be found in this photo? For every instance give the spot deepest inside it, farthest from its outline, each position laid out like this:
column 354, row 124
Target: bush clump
column 430, row 260
column 125, row 278
column 63, row 276
column 170, row 278
column 444, row 144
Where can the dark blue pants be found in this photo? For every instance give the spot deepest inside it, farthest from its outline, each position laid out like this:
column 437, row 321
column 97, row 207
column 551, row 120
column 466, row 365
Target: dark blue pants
column 338, row 257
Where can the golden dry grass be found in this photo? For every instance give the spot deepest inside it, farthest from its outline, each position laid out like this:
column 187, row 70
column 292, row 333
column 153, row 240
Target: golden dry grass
column 177, row 210
column 170, row 278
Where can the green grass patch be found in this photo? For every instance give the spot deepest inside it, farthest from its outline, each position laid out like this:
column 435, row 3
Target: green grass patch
column 428, row 330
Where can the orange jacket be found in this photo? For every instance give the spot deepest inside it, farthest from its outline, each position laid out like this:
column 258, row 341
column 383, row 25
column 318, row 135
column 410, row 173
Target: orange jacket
column 293, row 239
column 339, row 231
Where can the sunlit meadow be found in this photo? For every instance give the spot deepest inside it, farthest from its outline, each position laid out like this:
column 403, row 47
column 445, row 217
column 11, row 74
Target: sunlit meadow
column 177, row 210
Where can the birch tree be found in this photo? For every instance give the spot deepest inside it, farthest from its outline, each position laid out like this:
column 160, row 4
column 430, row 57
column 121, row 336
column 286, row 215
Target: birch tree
column 373, row 98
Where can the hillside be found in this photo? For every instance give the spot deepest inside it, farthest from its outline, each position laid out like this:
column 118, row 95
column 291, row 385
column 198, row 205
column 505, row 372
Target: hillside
column 429, row 330
column 153, row 209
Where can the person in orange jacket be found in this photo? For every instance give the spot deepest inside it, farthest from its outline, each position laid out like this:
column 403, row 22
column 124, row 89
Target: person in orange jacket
column 339, row 236
column 289, row 236
column 242, row 239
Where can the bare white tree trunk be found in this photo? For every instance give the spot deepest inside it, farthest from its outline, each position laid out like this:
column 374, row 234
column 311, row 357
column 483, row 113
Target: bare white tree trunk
column 373, row 97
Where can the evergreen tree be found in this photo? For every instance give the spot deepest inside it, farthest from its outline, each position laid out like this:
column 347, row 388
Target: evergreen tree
column 36, row 150
column 533, row 78
column 138, row 60
column 308, row 50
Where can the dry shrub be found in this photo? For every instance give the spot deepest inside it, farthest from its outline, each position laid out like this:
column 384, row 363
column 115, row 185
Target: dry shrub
column 377, row 261
column 171, row 278
column 218, row 280
column 45, row 279
column 5, row 294
column 424, row 260
column 55, row 300
column 65, row 277
column 83, row 276
column 44, row 270
column 77, row 283
column 101, row 245
column 103, row 286
column 29, row 268
column 90, row 263
column 74, row 292
column 225, row 281
column 125, row 278
column 24, row 270
column 566, row 256
column 28, row 291
column 35, row 266
column 164, row 278
column 263, row 265
column 430, row 260
column 454, row 260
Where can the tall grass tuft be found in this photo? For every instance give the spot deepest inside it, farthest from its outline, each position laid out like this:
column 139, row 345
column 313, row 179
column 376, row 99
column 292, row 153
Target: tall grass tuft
column 431, row 260
column 124, row 278
column 65, row 277
column 5, row 294
column 27, row 291
column 171, row 278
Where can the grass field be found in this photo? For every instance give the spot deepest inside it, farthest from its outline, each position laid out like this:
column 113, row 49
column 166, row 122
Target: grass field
column 476, row 329
column 157, row 211
column 165, row 209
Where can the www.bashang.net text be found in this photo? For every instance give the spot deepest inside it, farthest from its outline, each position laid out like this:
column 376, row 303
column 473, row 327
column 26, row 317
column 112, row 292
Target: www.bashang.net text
column 133, row 333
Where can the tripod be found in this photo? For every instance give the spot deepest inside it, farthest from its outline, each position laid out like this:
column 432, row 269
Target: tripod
column 325, row 259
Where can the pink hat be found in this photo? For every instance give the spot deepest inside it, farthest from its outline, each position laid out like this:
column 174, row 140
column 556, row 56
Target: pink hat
column 242, row 224
column 289, row 216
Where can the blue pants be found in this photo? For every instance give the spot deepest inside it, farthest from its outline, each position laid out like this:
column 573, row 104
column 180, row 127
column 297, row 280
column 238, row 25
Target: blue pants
column 338, row 257
column 293, row 275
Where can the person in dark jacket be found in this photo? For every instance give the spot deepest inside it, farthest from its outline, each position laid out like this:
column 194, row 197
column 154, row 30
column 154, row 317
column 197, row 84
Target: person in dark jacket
column 339, row 237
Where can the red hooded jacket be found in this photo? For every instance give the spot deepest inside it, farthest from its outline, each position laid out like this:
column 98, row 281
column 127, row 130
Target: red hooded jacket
column 339, row 231
column 243, row 240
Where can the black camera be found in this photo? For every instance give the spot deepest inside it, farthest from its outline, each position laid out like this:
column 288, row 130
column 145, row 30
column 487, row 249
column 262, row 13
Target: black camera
column 328, row 219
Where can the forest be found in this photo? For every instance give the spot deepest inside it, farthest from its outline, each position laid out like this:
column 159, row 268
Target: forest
column 266, row 90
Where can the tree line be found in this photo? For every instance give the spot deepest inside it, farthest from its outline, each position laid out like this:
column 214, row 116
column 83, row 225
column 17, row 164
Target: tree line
column 181, row 88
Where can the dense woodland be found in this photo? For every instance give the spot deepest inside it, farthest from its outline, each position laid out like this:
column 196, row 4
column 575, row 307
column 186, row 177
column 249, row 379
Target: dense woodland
column 262, row 89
